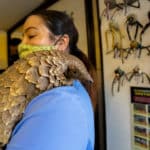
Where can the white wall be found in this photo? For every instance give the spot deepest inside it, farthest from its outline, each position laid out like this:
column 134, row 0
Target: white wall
column 118, row 113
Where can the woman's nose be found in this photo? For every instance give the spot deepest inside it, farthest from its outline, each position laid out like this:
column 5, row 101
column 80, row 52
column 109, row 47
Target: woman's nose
column 24, row 40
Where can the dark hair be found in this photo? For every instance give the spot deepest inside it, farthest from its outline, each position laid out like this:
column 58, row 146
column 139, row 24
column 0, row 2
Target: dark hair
column 59, row 23
column 15, row 41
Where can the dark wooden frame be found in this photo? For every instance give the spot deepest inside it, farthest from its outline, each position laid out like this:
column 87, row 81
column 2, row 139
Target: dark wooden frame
column 90, row 31
column 100, row 112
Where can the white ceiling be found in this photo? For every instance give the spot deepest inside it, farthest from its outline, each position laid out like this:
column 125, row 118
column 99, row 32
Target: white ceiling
column 11, row 11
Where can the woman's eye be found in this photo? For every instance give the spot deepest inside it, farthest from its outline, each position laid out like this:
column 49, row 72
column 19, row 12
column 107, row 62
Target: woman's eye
column 31, row 36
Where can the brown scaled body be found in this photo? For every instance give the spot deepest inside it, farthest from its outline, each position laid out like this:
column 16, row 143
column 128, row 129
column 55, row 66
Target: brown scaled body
column 30, row 76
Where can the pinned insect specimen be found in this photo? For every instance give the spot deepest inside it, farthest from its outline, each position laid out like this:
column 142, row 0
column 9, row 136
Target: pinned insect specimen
column 135, row 44
column 113, row 5
column 138, row 74
column 119, row 76
column 146, row 26
column 133, row 22
column 114, row 35
column 131, row 3
column 143, row 31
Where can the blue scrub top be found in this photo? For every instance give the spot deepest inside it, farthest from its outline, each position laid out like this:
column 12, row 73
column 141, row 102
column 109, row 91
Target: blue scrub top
column 58, row 119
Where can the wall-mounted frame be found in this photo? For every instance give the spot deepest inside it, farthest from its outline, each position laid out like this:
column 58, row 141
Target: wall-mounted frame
column 114, row 25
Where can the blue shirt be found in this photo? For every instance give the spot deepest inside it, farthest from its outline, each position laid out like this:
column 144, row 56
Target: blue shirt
column 58, row 119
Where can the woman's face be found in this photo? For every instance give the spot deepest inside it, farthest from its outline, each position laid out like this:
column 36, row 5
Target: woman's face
column 35, row 32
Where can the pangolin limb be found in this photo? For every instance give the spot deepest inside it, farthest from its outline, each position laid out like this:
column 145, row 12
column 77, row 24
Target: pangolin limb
column 30, row 76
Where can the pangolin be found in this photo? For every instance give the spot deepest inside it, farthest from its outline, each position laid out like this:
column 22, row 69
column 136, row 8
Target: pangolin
column 30, row 76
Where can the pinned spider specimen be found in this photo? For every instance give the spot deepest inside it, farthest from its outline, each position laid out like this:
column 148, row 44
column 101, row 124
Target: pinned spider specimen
column 131, row 3
column 113, row 5
column 138, row 74
column 146, row 26
column 119, row 76
column 143, row 31
column 135, row 45
column 110, row 5
column 133, row 22
column 115, row 36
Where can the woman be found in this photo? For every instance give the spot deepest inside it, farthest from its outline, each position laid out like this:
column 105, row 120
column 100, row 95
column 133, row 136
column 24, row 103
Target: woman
column 61, row 118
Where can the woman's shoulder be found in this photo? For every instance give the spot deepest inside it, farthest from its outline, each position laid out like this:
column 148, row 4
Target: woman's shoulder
column 74, row 95
column 55, row 113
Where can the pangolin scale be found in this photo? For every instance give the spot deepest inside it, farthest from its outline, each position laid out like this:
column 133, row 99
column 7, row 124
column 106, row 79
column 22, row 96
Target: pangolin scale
column 30, row 76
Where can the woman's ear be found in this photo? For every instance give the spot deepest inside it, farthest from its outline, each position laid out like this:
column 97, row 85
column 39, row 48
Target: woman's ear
column 63, row 43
